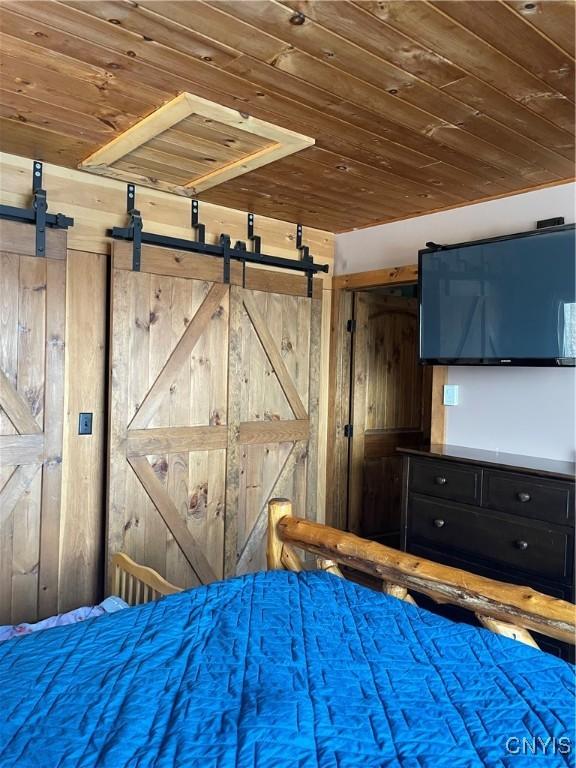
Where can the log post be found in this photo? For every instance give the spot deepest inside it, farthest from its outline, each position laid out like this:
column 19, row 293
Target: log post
column 290, row 560
column 329, row 566
column 277, row 509
column 507, row 630
column 396, row 591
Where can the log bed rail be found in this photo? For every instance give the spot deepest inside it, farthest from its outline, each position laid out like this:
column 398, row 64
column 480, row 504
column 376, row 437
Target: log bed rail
column 506, row 609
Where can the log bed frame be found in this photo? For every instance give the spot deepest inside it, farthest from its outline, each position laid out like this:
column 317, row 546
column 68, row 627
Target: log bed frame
column 505, row 609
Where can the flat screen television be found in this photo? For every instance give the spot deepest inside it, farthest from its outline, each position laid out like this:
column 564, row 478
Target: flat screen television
column 502, row 301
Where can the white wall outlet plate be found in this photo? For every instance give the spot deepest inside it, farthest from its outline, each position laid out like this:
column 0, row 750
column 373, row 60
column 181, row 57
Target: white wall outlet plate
column 451, row 394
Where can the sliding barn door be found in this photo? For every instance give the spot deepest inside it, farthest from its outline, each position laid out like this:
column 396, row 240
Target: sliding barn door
column 211, row 411
column 32, row 335
column 274, row 374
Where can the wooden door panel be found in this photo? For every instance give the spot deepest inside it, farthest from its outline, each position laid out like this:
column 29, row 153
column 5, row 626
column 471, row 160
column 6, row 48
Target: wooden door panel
column 276, row 434
column 276, row 337
column 168, row 434
column 260, row 468
column 214, row 410
column 391, row 362
column 390, row 398
column 32, row 325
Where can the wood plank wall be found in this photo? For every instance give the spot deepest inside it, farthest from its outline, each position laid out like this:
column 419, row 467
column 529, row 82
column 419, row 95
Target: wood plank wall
column 96, row 205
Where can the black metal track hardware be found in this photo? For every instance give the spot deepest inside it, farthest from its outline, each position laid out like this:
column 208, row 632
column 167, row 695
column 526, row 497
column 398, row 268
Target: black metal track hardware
column 298, row 236
column 38, row 213
column 256, row 240
column 40, row 205
column 135, row 227
column 135, row 233
column 225, row 243
column 305, row 257
column 198, row 228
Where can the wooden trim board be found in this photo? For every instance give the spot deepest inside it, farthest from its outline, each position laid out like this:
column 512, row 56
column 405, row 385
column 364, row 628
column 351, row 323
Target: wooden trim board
column 281, row 142
column 98, row 203
column 376, row 278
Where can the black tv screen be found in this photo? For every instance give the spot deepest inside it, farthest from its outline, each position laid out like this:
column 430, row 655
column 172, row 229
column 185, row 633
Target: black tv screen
column 502, row 301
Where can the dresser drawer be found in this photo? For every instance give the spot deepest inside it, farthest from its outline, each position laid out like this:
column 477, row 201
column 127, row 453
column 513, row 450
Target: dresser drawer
column 527, row 496
column 527, row 545
column 457, row 482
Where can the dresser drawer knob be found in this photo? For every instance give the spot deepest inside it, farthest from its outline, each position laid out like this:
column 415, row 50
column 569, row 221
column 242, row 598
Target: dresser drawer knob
column 523, row 497
column 523, row 545
column 439, row 480
column 439, row 523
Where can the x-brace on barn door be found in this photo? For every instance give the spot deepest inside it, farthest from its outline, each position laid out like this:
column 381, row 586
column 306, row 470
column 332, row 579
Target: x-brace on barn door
column 213, row 410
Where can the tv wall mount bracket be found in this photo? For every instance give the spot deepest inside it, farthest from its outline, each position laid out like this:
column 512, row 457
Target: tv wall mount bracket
column 224, row 249
column 37, row 214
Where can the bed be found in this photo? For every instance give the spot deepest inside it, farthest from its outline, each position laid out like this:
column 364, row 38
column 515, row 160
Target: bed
column 291, row 668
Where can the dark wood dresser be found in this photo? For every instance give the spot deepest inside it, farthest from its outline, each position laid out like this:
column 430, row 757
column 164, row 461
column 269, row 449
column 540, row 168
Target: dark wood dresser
column 500, row 515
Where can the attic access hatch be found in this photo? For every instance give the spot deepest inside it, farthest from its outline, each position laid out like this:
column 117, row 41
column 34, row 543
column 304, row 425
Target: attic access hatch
column 190, row 145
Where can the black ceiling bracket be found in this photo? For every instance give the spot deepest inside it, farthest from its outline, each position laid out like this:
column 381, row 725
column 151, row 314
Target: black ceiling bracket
column 239, row 249
column 40, row 205
column 298, row 236
column 38, row 213
column 130, row 198
column 256, row 240
column 199, row 229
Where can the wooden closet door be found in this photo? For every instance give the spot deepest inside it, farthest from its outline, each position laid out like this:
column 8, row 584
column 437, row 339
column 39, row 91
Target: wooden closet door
column 274, row 375
column 168, row 413
column 213, row 410
column 32, row 336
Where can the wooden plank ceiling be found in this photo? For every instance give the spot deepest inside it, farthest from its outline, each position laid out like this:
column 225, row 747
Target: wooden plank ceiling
column 415, row 106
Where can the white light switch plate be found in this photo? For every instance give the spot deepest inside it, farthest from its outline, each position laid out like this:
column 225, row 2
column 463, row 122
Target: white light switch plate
column 451, row 394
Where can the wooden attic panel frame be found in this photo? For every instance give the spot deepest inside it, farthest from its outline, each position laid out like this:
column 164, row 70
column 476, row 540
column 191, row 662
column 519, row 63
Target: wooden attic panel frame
column 167, row 167
column 505, row 608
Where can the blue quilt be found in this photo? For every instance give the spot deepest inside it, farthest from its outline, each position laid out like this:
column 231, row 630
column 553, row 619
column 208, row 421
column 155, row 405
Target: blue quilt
column 278, row 670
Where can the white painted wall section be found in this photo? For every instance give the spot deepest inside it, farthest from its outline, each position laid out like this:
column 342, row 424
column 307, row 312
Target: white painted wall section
column 530, row 411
